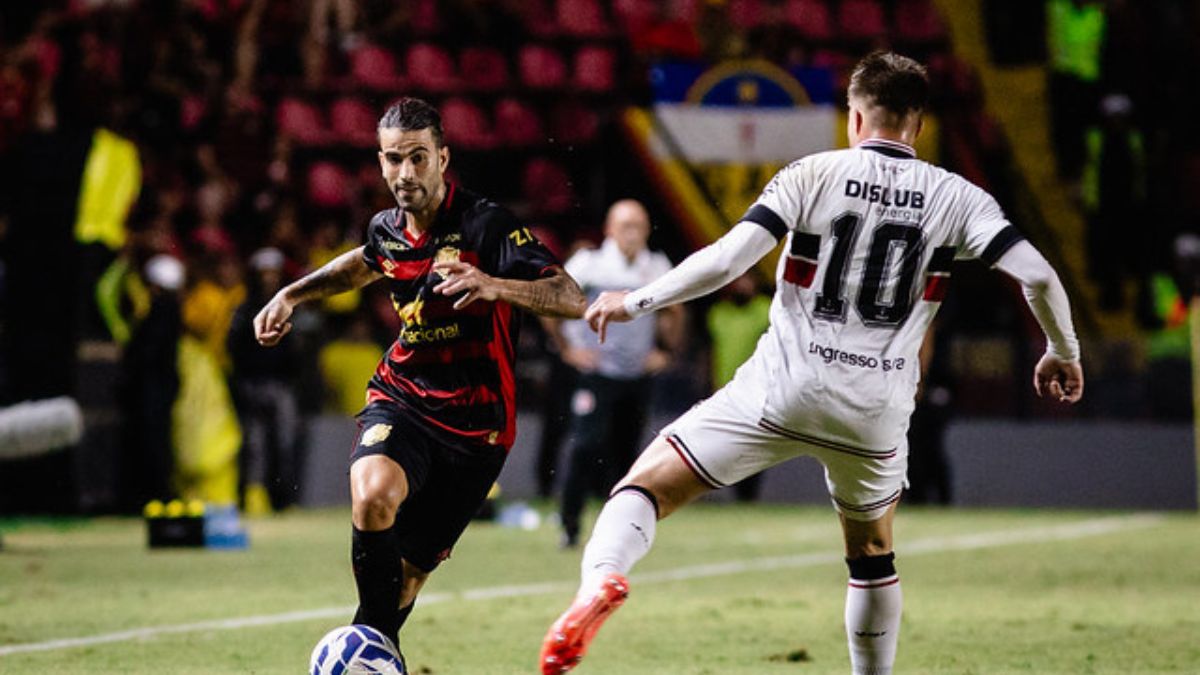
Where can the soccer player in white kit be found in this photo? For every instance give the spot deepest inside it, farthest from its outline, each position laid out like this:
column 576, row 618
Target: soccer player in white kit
column 870, row 233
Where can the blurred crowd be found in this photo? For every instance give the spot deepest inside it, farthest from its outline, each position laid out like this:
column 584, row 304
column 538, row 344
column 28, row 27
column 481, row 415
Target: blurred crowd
column 168, row 164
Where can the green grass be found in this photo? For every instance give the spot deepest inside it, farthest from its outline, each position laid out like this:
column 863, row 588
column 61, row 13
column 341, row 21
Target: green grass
column 1125, row 601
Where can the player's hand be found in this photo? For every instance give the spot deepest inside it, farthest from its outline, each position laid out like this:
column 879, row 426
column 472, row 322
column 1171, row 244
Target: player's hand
column 460, row 277
column 1059, row 379
column 583, row 360
column 610, row 306
column 271, row 323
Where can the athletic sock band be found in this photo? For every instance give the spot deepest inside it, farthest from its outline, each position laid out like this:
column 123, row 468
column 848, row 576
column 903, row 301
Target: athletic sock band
column 872, row 567
column 642, row 491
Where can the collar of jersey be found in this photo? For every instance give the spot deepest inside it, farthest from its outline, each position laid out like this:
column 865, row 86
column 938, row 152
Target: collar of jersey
column 889, row 148
column 443, row 209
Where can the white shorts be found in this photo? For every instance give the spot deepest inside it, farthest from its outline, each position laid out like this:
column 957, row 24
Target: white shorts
column 723, row 440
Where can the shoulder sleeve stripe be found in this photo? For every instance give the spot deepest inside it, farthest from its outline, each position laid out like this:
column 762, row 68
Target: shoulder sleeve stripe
column 1004, row 240
column 768, row 219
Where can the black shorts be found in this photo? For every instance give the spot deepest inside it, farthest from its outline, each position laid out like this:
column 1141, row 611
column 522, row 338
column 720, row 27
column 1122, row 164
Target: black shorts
column 446, row 485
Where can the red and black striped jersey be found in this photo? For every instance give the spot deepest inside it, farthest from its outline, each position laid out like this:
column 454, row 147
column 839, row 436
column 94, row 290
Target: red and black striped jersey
column 453, row 369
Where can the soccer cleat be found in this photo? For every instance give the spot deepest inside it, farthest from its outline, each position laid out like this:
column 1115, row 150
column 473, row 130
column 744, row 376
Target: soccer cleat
column 569, row 636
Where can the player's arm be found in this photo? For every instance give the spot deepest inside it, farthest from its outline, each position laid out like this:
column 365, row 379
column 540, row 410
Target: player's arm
column 1058, row 372
column 344, row 273
column 555, row 294
column 699, row 274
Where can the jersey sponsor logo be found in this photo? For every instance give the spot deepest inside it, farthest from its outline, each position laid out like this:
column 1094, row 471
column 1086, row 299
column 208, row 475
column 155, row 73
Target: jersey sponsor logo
column 418, row 335
column 392, row 245
column 377, row 434
column 887, row 196
column 833, row 354
column 448, row 239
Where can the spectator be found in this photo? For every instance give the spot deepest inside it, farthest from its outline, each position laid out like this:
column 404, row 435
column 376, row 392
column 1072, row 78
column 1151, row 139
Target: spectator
column 265, row 397
column 611, row 398
column 1114, row 191
column 151, row 385
column 735, row 323
column 1074, row 34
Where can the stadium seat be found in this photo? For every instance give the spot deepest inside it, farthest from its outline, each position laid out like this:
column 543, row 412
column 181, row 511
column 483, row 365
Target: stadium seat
column 430, row 67
column 635, row 15
column 425, row 19
column 687, row 11
column 466, row 125
column 810, row 18
column 301, row 121
column 573, row 122
column 541, row 67
column 328, row 185
column 518, row 123
column 352, row 122
column 374, row 67
column 594, row 69
column 918, row 23
column 861, row 20
column 746, row 14
column 546, row 187
column 483, row 68
column 581, row 18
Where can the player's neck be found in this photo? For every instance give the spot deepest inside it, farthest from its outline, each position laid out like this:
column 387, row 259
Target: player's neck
column 906, row 136
column 419, row 222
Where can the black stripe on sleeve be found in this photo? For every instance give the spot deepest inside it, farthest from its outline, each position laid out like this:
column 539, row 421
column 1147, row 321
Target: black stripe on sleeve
column 1004, row 240
column 806, row 245
column 943, row 258
column 768, row 219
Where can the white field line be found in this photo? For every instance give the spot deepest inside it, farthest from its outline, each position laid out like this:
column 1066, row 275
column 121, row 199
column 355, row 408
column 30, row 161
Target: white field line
column 1049, row 533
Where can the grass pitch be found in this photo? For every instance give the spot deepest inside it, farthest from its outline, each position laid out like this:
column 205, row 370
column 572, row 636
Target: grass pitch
column 728, row 589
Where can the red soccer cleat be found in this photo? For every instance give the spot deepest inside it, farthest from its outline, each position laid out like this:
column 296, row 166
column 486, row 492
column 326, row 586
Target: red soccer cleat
column 569, row 636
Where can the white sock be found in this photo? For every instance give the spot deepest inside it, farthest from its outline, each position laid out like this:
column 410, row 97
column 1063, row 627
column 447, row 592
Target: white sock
column 623, row 533
column 873, row 624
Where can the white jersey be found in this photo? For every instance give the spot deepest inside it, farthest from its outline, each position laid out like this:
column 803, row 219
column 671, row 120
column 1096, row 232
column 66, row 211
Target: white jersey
column 623, row 354
column 871, row 234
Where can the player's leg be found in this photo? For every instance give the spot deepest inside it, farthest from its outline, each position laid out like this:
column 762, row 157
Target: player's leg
column 591, row 408
column 865, row 491
column 658, row 484
column 433, row 519
column 873, row 596
column 378, row 485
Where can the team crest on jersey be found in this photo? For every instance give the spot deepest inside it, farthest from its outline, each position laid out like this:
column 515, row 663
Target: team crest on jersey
column 447, row 254
column 412, row 313
column 378, row 433
column 388, row 266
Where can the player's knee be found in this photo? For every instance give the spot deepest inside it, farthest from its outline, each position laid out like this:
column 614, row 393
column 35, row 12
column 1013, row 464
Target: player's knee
column 414, row 579
column 375, row 506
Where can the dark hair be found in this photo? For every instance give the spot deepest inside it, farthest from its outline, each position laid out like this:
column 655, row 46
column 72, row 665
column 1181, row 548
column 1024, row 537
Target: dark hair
column 895, row 83
column 413, row 114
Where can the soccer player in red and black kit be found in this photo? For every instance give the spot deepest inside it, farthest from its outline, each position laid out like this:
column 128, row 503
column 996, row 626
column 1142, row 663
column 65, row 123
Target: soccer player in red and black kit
column 440, row 409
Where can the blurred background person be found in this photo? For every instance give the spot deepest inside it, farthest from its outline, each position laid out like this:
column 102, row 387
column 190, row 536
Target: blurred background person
column 735, row 322
column 264, row 389
column 1075, row 36
column 612, row 395
column 150, row 369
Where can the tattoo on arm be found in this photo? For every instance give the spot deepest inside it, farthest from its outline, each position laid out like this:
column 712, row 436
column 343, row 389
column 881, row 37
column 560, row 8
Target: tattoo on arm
column 344, row 273
column 557, row 295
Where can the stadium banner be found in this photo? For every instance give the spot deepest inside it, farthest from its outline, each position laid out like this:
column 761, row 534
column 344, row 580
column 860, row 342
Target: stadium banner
column 716, row 135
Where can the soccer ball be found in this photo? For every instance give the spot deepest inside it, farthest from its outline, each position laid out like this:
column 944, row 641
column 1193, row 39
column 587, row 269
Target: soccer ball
column 353, row 650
